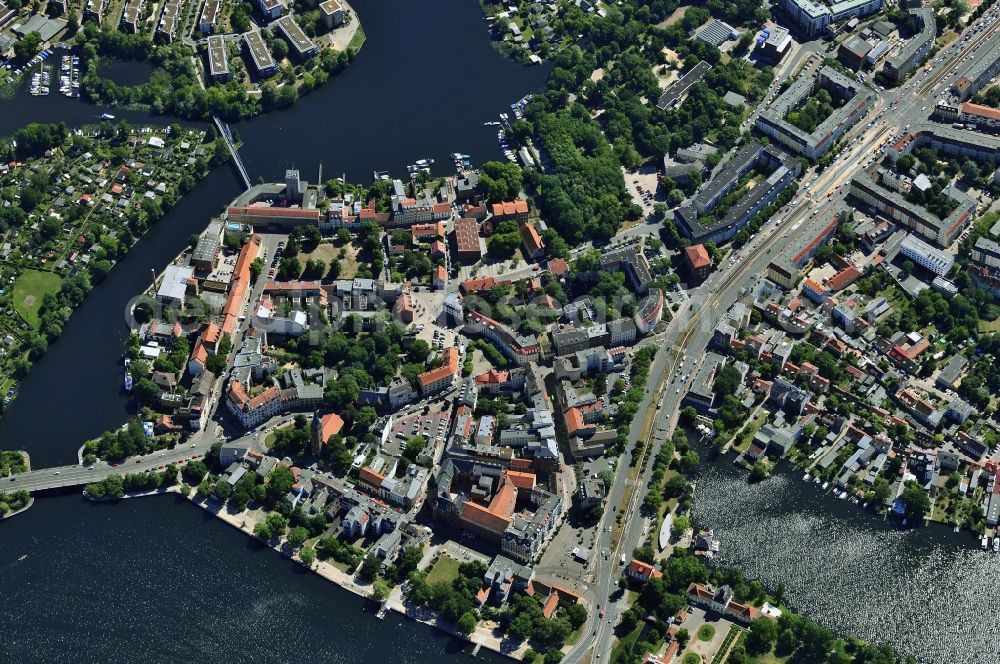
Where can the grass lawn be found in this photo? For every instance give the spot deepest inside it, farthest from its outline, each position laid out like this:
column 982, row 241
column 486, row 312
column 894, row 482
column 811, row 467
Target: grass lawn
column 444, row 569
column 29, row 289
column 770, row 658
column 706, row 632
column 326, row 252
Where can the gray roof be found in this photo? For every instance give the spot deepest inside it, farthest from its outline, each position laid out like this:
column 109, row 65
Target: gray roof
column 673, row 94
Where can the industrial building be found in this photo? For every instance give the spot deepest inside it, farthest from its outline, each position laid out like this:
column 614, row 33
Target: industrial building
column 774, row 43
column 716, row 33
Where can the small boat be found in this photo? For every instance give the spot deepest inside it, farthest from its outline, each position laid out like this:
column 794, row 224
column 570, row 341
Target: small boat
column 23, row 557
column 956, row 528
column 806, row 478
column 985, row 543
column 865, row 506
column 826, row 485
column 107, row 116
column 816, row 480
column 128, row 382
column 996, row 545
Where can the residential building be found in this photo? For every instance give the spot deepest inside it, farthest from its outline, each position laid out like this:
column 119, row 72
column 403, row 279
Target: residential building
column 913, row 52
column 265, row 65
column 815, row 17
column 856, row 99
column 816, row 231
column 332, row 13
column 781, row 169
column 436, row 380
column 698, row 261
column 701, row 394
column 302, row 46
column 926, row 256
column 209, row 16
column 269, row 9
column 218, row 58
column 880, row 199
column 521, row 349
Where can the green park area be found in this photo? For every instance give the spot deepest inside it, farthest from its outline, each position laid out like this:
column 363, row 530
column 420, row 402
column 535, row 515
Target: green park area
column 29, row 291
column 444, row 569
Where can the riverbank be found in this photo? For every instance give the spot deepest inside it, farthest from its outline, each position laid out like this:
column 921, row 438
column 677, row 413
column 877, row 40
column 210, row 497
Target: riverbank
column 483, row 636
column 31, row 499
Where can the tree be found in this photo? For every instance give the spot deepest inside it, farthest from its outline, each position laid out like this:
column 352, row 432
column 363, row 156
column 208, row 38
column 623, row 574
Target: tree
column 194, row 471
column 917, row 502
column 500, row 181
column 27, row 48
column 763, row 633
column 682, row 637
column 467, row 623
column 297, row 537
column 223, row 490
column 308, row 556
column 380, row 590
column 369, row 568
column 263, row 531
column 256, row 267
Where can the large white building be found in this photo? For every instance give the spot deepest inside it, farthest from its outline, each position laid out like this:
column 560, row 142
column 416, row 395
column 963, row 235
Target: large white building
column 926, row 256
column 815, row 16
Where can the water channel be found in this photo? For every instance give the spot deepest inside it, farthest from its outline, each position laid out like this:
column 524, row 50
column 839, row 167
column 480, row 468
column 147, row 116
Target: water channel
column 148, row 580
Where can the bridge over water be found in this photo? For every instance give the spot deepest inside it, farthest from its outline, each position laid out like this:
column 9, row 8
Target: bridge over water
column 61, row 477
column 226, row 134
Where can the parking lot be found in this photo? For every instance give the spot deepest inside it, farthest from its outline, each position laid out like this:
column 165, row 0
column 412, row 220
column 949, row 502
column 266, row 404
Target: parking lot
column 433, row 426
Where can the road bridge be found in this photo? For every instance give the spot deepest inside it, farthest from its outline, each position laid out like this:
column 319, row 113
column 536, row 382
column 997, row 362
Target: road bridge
column 228, row 136
column 63, row 477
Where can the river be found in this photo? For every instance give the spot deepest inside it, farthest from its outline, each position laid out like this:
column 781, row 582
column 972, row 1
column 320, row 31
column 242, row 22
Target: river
column 148, row 580
column 95, row 576
column 929, row 592
column 159, row 580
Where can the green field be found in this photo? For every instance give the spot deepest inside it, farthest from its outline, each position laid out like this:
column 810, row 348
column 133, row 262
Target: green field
column 444, row 569
column 29, row 289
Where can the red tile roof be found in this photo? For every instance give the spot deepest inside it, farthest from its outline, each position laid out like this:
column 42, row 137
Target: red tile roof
column 330, row 425
column 698, row 256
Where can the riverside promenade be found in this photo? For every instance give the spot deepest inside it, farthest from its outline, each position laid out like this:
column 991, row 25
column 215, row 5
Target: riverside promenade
column 485, row 635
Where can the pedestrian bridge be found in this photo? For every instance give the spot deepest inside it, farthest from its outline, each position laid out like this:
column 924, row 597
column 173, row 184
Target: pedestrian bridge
column 228, row 136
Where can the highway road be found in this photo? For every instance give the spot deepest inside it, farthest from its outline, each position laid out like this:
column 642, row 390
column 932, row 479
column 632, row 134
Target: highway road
column 689, row 333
